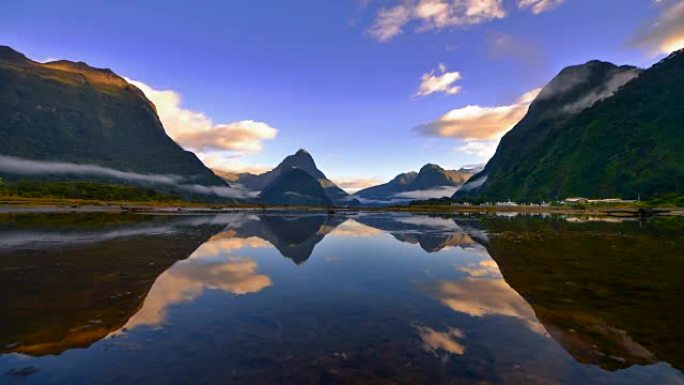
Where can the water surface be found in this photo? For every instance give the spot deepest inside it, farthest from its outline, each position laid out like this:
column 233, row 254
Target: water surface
column 296, row 298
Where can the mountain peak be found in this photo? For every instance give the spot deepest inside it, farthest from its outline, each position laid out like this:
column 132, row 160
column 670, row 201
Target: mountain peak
column 579, row 87
column 430, row 167
column 9, row 54
column 302, row 151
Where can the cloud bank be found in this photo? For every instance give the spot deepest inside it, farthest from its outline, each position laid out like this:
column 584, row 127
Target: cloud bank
column 441, row 14
column 196, row 131
column 474, row 122
column 434, row 193
column 20, row 166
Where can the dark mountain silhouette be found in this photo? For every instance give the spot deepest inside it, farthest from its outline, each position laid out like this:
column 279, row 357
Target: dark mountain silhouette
column 430, row 176
column 295, row 187
column 295, row 236
column 596, row 130
column 432, row 234
column 304, row 194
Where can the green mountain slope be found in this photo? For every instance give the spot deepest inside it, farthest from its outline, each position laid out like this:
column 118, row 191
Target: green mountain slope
column 577, row 140
column 71, row 112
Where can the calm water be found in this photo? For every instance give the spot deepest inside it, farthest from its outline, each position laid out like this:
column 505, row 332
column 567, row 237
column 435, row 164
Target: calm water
column 252, row 298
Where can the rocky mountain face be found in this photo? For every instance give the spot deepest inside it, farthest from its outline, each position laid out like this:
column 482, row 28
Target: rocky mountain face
column 302, row 161
column 430, row 176
column 596, row 130
column 70, row 112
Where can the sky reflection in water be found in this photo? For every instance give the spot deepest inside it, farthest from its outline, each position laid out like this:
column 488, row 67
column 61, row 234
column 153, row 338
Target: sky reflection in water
column 308, row 298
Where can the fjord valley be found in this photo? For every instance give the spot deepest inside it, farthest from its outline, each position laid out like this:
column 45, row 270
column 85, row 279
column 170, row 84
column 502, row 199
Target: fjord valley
column 596, row 130
column 306, row 192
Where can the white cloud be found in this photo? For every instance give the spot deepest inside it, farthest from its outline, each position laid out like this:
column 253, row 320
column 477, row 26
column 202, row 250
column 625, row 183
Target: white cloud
column 23, row 166
column 475, row 122
column 390, row 22
column 354, row 229
column 194, row 130
column 664, row 34
column 539, row 6
column 441, row 14
column 433, row 341
column 439, row 81
column 434, row 14
column 230, row 163
column 433, row 193
column 481, row 149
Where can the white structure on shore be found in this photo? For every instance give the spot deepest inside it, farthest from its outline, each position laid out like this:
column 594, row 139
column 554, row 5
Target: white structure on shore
column 506, row 204
column 586, row 200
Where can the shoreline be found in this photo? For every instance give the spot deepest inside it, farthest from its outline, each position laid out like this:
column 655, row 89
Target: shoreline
column 47, row 206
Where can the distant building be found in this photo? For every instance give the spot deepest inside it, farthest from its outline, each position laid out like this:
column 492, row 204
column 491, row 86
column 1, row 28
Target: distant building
column 507, row 204
column 576, row 200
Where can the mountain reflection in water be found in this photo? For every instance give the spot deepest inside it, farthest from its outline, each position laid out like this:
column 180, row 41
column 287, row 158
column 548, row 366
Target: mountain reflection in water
column 201, row 299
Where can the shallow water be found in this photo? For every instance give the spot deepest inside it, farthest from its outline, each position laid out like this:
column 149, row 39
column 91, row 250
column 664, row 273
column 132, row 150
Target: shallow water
column 295, row 298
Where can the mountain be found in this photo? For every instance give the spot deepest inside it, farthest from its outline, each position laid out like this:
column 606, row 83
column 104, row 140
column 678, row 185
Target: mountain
column 430, row 176
column 432, row 234
column 70, row 112
column 295, row 186
column 597, row 130
column 301, row 160
column 295, row 236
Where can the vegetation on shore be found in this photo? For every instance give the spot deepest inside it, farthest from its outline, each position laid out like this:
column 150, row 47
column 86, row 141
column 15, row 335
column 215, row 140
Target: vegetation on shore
column 84, row 191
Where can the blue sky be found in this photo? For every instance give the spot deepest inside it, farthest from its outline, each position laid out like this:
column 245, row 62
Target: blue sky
column 329, row 76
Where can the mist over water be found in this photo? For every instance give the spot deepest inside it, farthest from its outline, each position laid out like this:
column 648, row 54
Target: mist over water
column 21, row 166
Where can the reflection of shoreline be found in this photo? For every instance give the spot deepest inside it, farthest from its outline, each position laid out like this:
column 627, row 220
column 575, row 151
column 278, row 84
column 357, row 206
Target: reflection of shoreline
column 605, row 290
column 70, row 295
column 431, row 233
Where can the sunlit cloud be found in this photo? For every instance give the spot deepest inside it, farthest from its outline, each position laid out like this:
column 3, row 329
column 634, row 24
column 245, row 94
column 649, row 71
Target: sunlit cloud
column 475, row 122
column 187, row 280
column 196, row 131
column 353, row 185
column 227, row 242
column 392, row 20
column 480, row 149
column 665, row 33
column 352, row 228
column 435, row 341
column 436, row 223
column 439, row 80
column 539, row 6
column 433, row 14
column 482, row 297
column 230, row 163
column 486, row 268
